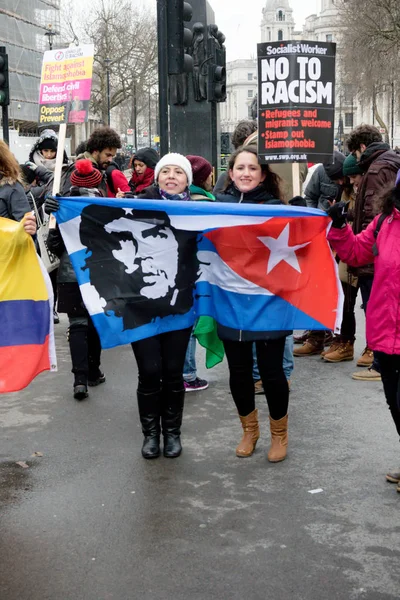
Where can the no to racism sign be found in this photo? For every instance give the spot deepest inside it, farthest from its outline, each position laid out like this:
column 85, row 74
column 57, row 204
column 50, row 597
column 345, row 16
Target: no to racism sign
column 65, row 85
column 296, row 101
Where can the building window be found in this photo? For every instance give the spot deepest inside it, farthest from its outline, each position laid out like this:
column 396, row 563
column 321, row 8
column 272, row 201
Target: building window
column 249, row 76
column 348, row 120
column 329, row 37
column 250, row 93
column 280, row 15
column 269, row 35
column 280, row 35
column 249, row 112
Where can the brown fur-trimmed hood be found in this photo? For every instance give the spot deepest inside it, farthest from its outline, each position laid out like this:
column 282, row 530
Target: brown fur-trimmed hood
column 8, row 180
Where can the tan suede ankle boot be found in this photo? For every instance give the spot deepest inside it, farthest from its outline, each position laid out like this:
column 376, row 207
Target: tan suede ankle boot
column 251, row 433
column 279, row 439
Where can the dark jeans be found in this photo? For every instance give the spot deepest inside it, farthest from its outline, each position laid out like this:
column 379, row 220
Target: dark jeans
column 270, row 364
column 390, row 371
column 348, row 328
column 160, row 361
column 365, row 282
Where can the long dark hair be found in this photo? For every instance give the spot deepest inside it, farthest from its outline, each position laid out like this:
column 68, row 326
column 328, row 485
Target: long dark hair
column 390, row 200
column 272, row 181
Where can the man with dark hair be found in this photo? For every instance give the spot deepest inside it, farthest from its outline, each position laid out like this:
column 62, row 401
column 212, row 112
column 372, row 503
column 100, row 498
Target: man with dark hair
column 379, row 165
column 101, row 148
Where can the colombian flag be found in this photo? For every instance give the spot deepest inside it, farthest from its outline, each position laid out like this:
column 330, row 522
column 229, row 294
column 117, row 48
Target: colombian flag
column 26, row 315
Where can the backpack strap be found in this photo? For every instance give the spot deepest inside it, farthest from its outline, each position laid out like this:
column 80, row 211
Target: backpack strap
column 376, row 233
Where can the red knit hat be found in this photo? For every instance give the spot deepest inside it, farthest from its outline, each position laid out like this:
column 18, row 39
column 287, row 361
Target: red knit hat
column 85, row 174
column 201, row 169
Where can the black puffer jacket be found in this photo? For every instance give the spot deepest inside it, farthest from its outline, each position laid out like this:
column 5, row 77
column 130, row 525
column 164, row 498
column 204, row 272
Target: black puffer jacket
column 256, row 196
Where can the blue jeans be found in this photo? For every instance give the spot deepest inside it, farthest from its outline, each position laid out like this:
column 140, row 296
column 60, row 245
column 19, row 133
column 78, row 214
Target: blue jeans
column 189, row 368
column 288, row 361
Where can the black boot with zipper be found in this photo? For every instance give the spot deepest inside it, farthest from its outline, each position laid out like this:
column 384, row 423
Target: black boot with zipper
column 149, row 412
column 171, row 419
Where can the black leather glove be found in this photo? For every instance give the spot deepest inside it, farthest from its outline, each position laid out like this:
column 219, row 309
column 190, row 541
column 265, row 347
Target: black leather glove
column 51, row 204
column 338, row 214
column 298, row 201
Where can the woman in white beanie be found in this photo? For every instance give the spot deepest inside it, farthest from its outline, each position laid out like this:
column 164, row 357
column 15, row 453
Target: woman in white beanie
column 161, row 358
column 172, row 176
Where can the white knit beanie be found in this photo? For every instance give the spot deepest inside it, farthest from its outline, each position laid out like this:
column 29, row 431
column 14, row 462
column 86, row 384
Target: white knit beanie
column 177, row 160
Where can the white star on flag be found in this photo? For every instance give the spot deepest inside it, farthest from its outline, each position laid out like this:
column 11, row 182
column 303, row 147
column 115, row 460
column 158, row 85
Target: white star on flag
column 281, row 251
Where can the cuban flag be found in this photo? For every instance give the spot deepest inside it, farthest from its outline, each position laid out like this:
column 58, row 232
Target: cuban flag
column 149, row 266
column 26, row 310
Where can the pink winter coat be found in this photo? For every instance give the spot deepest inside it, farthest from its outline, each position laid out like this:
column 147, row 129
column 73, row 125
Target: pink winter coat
column 383, row 310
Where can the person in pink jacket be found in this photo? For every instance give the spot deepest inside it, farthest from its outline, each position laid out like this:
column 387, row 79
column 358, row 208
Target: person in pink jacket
column 378, row 244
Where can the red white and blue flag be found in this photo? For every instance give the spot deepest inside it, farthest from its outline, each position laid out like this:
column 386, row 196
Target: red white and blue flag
column 150, row 266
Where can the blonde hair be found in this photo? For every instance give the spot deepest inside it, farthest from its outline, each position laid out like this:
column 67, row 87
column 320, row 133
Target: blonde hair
column 9, row 166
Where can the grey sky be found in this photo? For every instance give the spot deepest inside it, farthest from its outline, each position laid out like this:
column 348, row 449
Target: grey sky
column 240, row 22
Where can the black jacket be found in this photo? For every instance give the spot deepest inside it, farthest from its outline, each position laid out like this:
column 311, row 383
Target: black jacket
column 256, row 196
column 150, row 193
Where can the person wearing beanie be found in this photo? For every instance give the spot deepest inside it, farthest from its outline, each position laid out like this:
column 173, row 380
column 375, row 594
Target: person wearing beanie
column 353, row 171
column 161, row 390
column 85, row 175
column 143, row 163
column 202, row 178
column 173, row 177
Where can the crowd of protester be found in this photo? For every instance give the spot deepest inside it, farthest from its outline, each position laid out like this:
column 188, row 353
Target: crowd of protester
column 361, row 194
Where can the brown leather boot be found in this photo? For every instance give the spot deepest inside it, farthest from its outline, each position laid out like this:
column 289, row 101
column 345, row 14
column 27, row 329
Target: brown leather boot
column 251, row 433
column 344, row 351
column 279, row 439
column 309, row 348
column 334, row 346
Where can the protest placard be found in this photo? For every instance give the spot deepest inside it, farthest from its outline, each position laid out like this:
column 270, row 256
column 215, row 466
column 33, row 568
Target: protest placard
column 296, row 101
column 65, row 85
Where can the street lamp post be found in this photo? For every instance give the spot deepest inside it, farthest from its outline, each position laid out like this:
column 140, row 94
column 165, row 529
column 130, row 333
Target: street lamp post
column 50, row 35
column 107, row 62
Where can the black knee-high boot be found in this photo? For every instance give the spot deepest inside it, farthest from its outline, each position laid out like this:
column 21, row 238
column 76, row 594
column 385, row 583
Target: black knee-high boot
column 95, row 376
column 150, row 412
column 171, row 419
column 78, row 345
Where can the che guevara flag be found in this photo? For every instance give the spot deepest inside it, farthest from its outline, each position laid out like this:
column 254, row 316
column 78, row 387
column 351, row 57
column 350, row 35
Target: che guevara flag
column 150, row 266
column 26, row 310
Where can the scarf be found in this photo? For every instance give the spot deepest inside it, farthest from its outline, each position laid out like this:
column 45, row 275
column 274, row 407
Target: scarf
column 182, row 197
column 195, row 189
column 40, row 161
column 139, row 182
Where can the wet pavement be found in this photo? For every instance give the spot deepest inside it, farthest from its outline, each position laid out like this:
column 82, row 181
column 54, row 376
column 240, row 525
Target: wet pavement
column 92, row 520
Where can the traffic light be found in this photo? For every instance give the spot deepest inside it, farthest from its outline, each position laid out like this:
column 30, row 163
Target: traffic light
column 179, row 37
column 4, row 82
column 216, row 66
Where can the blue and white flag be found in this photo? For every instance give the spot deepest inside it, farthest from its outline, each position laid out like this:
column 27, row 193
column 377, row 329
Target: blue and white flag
column 150, row 266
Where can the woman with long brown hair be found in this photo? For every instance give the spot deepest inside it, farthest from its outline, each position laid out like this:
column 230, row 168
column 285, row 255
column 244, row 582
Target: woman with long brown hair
column 13, row 201
column 249, row 182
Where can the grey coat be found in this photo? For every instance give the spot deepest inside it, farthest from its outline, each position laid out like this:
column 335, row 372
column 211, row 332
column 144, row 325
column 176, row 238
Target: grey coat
column 13, row 201
column 320, row 190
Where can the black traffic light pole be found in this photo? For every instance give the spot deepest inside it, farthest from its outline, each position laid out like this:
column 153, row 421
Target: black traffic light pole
column 6, row 133
column 163, row 74
column 5, row 101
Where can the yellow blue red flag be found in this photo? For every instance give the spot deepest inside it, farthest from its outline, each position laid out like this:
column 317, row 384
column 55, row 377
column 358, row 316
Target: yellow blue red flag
column 27, row 337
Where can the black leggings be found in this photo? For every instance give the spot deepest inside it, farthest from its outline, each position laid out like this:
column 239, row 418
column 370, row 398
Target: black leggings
column 348, row 328
column 160, row 361
column 389, row 365
column 270, row 364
